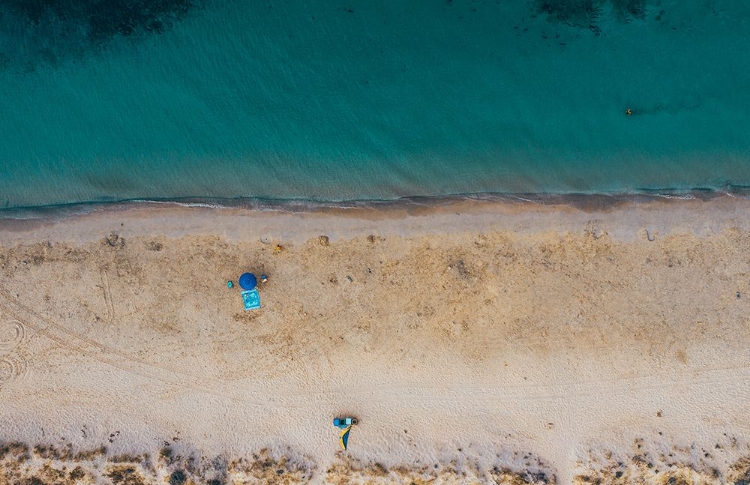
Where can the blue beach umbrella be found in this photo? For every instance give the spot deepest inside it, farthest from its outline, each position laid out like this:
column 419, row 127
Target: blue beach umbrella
column 248, row 281
column 344, row 437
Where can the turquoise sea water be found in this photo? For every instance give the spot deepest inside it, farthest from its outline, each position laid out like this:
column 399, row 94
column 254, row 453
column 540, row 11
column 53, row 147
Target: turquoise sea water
column 338, row 100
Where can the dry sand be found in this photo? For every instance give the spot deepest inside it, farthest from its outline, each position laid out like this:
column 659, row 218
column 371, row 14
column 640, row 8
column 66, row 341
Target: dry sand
column 475, row 341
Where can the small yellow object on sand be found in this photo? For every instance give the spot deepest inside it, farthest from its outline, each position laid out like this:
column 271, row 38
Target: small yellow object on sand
column 278, row 248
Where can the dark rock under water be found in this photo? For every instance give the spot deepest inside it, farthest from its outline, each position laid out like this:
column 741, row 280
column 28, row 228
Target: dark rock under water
column 46, row 31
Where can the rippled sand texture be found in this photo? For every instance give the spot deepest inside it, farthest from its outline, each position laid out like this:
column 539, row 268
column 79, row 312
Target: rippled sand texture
column 466, row 337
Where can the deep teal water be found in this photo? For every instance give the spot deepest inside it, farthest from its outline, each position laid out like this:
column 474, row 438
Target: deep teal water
column 339, row 100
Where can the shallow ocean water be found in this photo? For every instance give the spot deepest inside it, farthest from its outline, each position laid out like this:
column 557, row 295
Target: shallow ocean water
column 331, row 100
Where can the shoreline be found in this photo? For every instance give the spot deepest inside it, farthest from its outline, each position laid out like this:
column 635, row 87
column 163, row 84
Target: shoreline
column 625, row 218
column 604, row 200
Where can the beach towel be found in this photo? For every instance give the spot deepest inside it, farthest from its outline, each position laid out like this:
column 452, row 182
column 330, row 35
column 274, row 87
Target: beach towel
column 251, row 299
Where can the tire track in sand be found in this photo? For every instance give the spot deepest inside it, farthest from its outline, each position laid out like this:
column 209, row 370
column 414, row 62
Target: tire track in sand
column 12, row 367
column 107, row 296
column 104, row 354
column 12, row 334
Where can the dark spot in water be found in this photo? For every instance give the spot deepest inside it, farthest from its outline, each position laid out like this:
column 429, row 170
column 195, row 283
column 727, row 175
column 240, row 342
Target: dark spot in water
column 44, row 32
column 628, row 10
column 572, row 12
column 587, row 13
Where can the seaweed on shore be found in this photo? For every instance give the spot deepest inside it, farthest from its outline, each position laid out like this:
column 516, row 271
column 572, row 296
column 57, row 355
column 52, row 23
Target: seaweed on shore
column 458, row 470
column 660, row 463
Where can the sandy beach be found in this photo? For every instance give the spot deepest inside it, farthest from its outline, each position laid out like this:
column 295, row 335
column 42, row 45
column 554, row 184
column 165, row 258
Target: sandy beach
column 476, row 341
